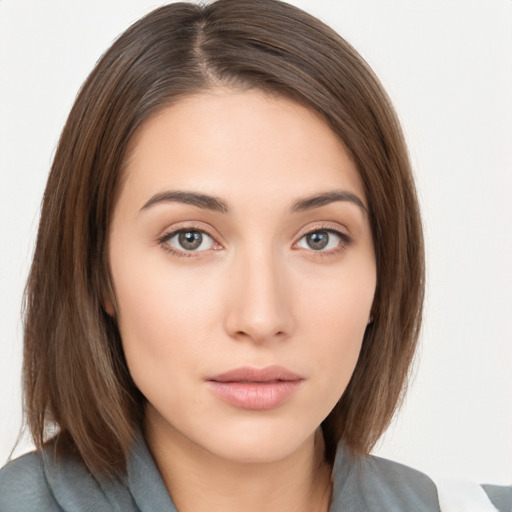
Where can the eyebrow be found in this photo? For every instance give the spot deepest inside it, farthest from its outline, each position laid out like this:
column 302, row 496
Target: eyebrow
column 194, row 198
column 318, row 200
column 216, row 204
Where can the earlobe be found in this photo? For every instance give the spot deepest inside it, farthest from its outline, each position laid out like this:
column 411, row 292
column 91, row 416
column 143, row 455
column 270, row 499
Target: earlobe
column 373, row 311
column 108, row 306
column 108, row 296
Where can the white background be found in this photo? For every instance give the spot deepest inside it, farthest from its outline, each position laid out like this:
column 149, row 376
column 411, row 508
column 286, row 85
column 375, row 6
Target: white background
column 448, row 67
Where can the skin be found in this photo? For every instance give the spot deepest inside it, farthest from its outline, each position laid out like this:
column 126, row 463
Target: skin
column 255, row 293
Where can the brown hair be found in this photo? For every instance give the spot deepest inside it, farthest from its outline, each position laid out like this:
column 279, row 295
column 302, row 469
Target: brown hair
column 75, row 374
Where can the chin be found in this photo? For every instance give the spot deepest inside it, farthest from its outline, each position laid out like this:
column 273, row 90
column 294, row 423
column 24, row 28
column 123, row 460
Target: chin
column 245, row 453
column 259, row 444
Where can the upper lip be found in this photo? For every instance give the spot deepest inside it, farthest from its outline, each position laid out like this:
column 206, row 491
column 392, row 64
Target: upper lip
column 250, row 374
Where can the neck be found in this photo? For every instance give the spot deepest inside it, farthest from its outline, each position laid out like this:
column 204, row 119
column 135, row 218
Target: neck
column 200, row 481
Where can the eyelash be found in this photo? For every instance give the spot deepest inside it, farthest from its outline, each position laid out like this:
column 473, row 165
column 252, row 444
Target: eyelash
column 345, row 241
column 164, row 239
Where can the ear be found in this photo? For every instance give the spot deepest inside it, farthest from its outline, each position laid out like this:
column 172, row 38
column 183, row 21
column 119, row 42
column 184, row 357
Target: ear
column 373, row 312
column 107, row 305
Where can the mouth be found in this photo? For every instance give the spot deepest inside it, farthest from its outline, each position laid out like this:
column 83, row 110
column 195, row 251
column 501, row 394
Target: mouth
column 254, row 388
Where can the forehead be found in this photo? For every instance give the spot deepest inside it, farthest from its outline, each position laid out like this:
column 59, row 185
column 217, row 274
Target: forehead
column 240, row 143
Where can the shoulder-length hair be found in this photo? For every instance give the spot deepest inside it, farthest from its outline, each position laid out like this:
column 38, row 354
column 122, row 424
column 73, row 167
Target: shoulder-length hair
column 75, row 375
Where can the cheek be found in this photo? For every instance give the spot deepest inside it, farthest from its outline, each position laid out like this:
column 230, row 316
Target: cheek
column 340, row 302
column 158, row 307
column 336, row 314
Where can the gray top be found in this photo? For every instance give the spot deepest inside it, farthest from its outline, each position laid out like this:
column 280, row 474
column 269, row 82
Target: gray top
column 36, row 482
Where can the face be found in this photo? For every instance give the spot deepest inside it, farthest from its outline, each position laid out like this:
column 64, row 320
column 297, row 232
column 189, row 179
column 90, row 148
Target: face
column 243, row 266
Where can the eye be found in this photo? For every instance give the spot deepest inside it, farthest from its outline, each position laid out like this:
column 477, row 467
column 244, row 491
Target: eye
column 322, row 240
column 189, row 240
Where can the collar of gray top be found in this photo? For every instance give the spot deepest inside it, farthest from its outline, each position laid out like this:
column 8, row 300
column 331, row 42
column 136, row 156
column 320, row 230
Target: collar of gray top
column 361, row 484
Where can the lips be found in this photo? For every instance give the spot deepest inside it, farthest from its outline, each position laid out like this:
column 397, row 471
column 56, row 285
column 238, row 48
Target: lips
column 254, row 388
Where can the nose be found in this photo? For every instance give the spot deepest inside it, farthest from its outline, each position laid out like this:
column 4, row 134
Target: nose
column 260, row 301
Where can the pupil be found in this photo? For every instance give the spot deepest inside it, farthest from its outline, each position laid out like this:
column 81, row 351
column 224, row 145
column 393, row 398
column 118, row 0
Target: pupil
column 318, row 240
column 190, row 240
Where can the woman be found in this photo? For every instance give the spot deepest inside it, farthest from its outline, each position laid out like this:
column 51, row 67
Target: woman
column 227, row 286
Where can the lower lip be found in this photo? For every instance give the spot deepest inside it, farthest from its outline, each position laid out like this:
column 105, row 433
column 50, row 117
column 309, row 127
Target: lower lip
column 256, row 396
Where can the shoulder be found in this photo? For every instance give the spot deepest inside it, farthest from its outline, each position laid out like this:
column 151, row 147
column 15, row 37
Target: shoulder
column 404, row 487
column 404, row 480
column 500, row 496
column 23, row 486
column 412, row 484
column 40, row 482
column 371, row 483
